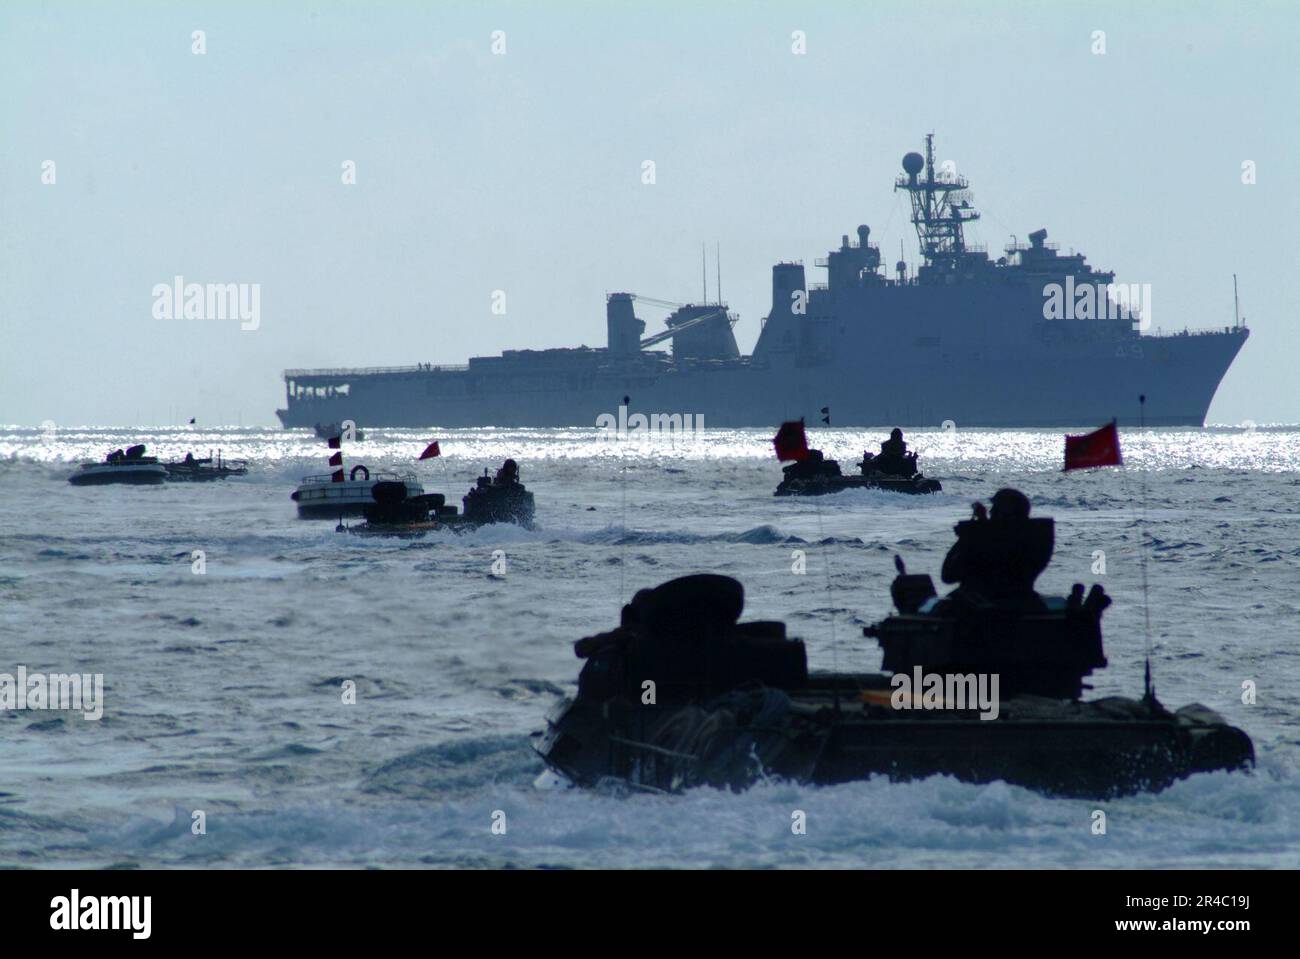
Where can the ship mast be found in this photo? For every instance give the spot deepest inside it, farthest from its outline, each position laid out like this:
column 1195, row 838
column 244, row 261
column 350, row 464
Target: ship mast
column 940, row 206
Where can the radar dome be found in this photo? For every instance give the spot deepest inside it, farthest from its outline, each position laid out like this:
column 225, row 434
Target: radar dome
column 913, row 163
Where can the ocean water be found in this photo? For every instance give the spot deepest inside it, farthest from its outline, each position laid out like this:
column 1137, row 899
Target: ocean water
column 223, row 688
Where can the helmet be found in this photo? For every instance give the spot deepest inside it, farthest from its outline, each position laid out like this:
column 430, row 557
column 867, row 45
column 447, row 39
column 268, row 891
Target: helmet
column 1010, row 504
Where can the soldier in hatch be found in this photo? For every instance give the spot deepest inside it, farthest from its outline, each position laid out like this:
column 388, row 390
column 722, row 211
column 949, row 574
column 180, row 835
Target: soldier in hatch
column 999, row 554
column 894, row 459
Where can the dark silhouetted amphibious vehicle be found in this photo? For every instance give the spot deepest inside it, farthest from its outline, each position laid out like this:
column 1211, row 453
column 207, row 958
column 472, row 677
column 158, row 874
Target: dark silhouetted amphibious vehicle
column 895, row 472
column 982, row 684
column 499, row 499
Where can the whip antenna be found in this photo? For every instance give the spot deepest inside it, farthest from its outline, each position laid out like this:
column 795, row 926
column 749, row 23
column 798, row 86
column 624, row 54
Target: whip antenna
column 830, row 596
column 1149, row 694
column 622, row 539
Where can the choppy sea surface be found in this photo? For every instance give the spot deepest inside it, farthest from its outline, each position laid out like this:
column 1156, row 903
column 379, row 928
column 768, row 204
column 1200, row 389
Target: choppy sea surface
column 223, row 680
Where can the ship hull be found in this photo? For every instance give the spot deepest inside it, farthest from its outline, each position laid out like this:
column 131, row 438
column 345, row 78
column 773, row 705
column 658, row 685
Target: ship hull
column 1089, row 384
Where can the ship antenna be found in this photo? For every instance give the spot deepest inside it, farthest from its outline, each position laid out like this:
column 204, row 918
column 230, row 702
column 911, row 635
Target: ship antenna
column 940, row 207
column 1149, row 693
column 704, row 272
column 1236, row 304
column 929, row 171
column 718, row 254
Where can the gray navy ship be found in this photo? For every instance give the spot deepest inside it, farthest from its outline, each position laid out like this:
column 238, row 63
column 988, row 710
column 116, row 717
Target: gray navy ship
column 1033, row 338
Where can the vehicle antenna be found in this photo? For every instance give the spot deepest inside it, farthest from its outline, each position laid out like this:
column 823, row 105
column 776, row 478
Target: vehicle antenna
column 826, row 557
column 1150, row 692
column 622, row 539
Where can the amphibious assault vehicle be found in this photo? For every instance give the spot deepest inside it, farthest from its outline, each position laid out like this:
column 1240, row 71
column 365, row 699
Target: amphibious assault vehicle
column 130, row 466
column 818, row 476
column 201, row 469
column 499, row 499
column 983, row 684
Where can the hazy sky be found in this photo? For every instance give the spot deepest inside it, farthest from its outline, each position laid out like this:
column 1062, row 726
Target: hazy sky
column 522, row 172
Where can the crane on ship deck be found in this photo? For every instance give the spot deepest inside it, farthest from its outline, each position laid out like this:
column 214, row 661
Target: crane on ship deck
column 664, row 335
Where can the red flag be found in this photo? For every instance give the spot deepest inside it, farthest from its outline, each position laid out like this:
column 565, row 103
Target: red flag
column 790, row 441
column 1098, row 448
column 336, row 459
column 336, row 442
column 336, row 476
column 431, row 451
